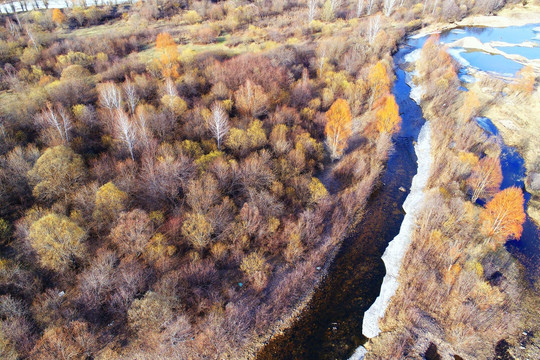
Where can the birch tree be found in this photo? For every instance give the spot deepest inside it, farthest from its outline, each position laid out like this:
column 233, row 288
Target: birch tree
column 131, row 95
column 58, row 119
column 110, row 97
column 370, row 5
column 125, row 130
column 338, row 127
column 335, row 4
column 359, row 8
column 219, row 123
column 144, row 134
column 373, row 28
column 486, row 178
column 312, row 9
column 388, row 7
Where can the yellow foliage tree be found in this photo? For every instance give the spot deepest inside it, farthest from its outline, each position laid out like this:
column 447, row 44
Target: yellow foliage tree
column 158, row 248
column 255, row 267
column 58, row 17
column 56, row 173
column 338, row 127
column 378, row 82
column 317, row 190
column 175, row 104
column 486, row 178
column 150, row 313
column 243, row 141
column 168, row 55
column 110, row 202
column 197, row 230
column 387, row 116
column 57, row 241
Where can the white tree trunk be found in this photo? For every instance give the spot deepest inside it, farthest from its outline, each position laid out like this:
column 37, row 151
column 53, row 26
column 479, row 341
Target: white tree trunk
column 125, row 129
column 219, row 123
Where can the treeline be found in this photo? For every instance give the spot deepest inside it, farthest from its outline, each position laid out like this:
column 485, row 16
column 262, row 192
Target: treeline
column 460, row 289
column 178, row 207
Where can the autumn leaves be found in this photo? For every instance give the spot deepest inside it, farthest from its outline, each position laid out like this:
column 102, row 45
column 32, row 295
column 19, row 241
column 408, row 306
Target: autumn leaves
column 387, row 119
column 338, row 127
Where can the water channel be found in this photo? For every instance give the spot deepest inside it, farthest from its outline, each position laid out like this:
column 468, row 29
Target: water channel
column 331, row 327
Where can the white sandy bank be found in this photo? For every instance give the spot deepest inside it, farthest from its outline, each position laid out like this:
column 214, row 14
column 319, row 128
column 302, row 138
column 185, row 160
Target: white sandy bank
column 417, row 91
column 359, row 354
column 397, row 248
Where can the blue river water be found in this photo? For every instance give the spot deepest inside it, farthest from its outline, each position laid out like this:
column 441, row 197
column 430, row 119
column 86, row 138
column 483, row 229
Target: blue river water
column 513, row 35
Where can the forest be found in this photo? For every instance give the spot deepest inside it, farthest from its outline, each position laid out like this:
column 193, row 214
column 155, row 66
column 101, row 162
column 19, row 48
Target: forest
column 176, row 176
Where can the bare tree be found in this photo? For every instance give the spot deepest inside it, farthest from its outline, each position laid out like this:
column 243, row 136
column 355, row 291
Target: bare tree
column 335, row 4
column 131, row 95
column 219, row 123
column 370, row 5
column 374, row 27
column 435, row 4
column 322, row 58
column 125, row 130
column 312, row 9
column 142, row 127
column 58, row 119
column 31, row 37
column 3, row 127
column 170, row 88
column 359, row 8
column 13, row 28
column 110, row 97
column 388, row 7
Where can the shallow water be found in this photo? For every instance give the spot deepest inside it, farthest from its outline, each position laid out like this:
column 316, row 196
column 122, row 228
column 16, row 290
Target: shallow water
column 515, row 35
column 511, row 34
column 492, row 63
column 528, row 52
column 331, row 326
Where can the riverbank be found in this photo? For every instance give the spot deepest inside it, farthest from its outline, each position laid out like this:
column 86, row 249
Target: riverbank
column 397, row 248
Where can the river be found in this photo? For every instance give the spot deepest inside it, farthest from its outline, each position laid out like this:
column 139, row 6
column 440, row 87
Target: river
column 331, row 326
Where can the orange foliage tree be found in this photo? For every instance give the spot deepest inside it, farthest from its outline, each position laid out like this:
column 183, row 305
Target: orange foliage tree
column 525, row 80
column 379, row 82
column 486, row 178
column 387, row 116
column 338, row 127
column 168, row 55
column 58, row 17
column 503, row 216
